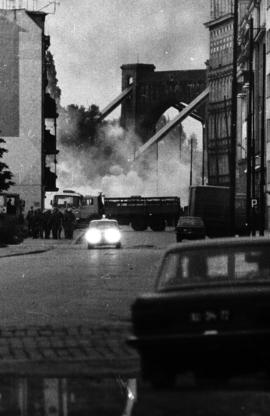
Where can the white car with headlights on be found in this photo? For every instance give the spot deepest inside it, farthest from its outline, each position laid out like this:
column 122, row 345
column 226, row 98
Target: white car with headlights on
column 103, row 232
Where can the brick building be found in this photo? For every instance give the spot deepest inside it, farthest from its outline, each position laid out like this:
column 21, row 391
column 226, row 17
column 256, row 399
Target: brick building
column 26, row 106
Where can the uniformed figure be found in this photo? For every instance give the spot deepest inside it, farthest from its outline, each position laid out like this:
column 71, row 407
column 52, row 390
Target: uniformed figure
column 56, row 221
column 47, row 223
column 29, row 218
column 69, row 223
column 36, row 224
column 40, row 223
column 100, row 201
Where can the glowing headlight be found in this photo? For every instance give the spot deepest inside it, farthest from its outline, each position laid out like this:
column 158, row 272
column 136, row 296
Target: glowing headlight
column 93, row 236
column 112, row 235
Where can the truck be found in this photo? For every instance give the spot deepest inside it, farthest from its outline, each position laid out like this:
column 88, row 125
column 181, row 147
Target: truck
column 139, row 212
column 12, row 230
column 84, row 207
column 212, row 204
column 142, row 212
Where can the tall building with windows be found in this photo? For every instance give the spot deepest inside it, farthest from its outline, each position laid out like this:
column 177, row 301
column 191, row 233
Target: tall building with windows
column 253, row 126
column 28, row 112
column 253, row 102
column 220, row 86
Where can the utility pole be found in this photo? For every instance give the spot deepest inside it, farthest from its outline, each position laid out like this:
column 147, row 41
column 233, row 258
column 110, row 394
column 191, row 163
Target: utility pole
column 191, row 160
column 203, row 151
column 233, row 121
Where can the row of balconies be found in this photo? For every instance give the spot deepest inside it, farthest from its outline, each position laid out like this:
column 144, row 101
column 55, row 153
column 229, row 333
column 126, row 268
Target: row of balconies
column 49, row 143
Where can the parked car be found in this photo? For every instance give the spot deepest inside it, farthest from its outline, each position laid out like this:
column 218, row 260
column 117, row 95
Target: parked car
column 104, row 232
column 191, row 228
column 209, row 313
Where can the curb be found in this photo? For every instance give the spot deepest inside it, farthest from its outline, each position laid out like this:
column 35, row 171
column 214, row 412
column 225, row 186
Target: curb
column 25, row 253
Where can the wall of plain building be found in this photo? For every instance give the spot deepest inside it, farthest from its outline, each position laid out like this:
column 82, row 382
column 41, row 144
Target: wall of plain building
column 21, row 101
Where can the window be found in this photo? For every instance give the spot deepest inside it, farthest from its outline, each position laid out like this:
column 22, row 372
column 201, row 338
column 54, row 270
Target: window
column 268, row 130
column 223, row 165
column 268, row 171
column 268, row 41
column 214, row 265
column 268, row 86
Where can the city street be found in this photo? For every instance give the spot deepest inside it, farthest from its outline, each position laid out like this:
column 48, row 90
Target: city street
column 65, row 313
column 70, row 285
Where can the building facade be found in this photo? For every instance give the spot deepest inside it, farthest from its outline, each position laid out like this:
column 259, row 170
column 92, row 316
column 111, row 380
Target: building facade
column 220, row 86
column 26, row 107
column 252, row 112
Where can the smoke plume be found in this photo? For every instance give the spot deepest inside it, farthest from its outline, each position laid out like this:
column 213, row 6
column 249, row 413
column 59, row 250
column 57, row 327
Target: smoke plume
column 106, row 164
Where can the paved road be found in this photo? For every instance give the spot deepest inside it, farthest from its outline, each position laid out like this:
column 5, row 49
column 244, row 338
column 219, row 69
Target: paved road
column 70, row 285
column 66, row 310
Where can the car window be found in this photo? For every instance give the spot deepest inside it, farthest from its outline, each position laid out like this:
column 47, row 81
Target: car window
column 103, row 224
column 214, row 266
column 190, row 221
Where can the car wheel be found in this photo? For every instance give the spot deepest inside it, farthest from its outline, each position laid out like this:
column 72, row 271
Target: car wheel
column 157, row 223
column 139, row 224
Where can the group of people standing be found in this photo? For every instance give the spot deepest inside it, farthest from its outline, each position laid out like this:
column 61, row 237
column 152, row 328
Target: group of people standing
column 43, row 224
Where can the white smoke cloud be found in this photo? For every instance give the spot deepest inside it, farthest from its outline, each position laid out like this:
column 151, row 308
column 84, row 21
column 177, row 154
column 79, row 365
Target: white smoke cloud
column 84, row 171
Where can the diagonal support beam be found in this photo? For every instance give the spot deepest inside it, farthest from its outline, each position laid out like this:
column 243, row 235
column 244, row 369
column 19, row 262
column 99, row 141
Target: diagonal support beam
column 169, row 126
column 194, row 115
column 115, row 103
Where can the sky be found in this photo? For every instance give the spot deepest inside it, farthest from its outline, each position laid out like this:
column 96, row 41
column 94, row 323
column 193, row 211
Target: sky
column 90, row 40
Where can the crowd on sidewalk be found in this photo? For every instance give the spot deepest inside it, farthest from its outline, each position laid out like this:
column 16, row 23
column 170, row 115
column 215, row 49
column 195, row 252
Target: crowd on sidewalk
column 50, row 223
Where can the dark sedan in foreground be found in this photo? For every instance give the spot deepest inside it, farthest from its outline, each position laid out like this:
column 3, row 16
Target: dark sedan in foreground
column 209, row 313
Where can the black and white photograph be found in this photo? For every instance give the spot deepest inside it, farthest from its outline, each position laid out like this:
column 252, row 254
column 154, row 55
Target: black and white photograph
column 135, row 207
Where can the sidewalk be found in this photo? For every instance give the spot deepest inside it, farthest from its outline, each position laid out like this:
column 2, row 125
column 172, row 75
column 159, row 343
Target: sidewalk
column 28, row 246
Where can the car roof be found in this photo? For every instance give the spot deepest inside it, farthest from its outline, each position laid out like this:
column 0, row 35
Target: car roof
column 219, row 243
column 104, row 220
column 190, row 220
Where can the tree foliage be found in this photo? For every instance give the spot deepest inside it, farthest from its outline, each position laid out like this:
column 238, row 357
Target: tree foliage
column 77, row 126
column 5, row 174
